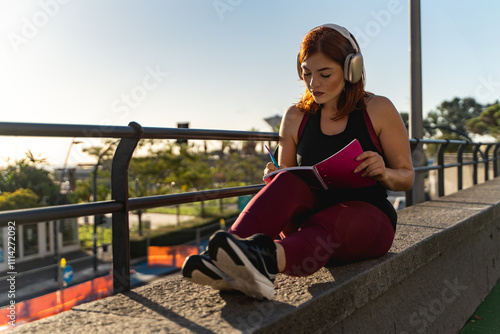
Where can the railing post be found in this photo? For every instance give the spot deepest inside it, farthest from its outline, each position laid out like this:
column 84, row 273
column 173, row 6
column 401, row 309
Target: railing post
column 475, row 159
column 410, row 200
column 120, row 223
column 440, row 157
column 487, row 162
column 460, row 160
column 496, row 164
column 417, row 193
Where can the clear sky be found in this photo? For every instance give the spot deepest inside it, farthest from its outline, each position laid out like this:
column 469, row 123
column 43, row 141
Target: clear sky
column 218, row 64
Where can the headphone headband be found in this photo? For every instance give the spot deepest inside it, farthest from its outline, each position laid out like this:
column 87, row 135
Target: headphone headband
column 353, row 65
column 344, row 32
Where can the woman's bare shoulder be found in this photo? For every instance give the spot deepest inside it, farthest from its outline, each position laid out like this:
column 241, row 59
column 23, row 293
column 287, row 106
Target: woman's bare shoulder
column 291, row 122
column 380, row 107
column 293, row 112
column 292, row 117
column 382, row 112
column 377, row 102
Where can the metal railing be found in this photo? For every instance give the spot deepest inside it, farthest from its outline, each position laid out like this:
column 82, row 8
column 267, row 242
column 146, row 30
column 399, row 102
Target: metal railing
column 460, row 163
column 121, row 204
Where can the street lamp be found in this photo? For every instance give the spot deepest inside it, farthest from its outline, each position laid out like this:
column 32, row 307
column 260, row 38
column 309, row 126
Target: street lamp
column 57, row 226
column 65, row 167
column 102, row 152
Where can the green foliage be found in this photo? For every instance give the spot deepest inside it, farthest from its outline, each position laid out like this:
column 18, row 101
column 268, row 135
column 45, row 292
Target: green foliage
column 28, row 174
column 191, row 171
column 86, row 233
column 19, row 199
column 212, row 207
column 450, row 118
column 487, row 123
column 237, row 169
column 163, row 167
column 449, row 122
column 84, row 191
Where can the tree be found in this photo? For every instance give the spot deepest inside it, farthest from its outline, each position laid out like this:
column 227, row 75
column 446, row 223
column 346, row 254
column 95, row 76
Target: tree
column 237, row 169
column 146, row 178
column 27, row 174
column 84, row 191
column 191, row 170
column 155, row 171
column 248, row 147
column 19, row 199
column 84, row 188
column 450, row 118
column 487, row 123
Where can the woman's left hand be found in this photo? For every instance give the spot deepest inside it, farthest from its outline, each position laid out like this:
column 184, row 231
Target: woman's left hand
column 372, row 165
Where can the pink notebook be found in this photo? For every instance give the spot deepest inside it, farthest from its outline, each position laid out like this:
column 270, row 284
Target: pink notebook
column 336, row 171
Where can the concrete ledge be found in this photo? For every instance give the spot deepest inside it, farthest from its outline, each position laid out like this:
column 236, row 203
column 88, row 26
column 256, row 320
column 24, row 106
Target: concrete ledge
column 444, row 261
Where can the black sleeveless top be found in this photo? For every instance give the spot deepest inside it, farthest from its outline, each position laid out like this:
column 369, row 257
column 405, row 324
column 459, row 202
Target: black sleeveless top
column 314, row 146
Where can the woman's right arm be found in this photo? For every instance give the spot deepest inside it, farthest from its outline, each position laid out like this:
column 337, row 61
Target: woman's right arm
column 289, row 137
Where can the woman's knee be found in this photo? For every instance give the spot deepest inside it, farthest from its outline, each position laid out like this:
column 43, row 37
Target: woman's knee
column 359, row 230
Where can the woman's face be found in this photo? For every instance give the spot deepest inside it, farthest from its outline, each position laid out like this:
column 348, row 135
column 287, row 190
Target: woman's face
column 324, row 78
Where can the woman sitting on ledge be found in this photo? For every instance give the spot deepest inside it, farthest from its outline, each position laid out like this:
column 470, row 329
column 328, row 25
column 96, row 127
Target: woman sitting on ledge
column 292, row 228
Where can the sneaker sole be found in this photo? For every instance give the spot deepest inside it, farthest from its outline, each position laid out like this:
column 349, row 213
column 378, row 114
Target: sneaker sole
column 251, row 282
column 198, row 277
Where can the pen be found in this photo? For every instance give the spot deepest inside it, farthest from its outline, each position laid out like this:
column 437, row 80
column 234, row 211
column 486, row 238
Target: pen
column 272, row 157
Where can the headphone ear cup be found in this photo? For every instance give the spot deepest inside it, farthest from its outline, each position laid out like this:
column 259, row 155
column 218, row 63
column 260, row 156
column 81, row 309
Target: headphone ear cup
column 353, row 67
column 299, row 68
column 347, row 67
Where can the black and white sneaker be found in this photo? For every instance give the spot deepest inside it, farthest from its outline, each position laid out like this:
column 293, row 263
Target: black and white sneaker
column 251, row 262
column 200, row 269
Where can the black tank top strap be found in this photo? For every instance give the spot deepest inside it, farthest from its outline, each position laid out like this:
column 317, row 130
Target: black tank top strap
column 371, row 131
column 302, row 125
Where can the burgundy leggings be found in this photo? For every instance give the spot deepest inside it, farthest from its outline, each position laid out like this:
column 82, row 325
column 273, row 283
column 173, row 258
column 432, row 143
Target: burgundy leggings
column 344, row 232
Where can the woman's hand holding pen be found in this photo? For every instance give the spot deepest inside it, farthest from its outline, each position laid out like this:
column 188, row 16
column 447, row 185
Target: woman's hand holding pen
column 270, row 167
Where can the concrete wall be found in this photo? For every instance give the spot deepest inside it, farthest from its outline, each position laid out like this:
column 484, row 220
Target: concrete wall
column 453, row 272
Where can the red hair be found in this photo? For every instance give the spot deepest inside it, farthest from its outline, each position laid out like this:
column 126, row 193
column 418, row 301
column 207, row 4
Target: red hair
column 336, row 47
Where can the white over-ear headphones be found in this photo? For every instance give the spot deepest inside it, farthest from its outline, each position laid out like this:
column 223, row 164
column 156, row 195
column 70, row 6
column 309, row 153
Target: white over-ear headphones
column 353, row 65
